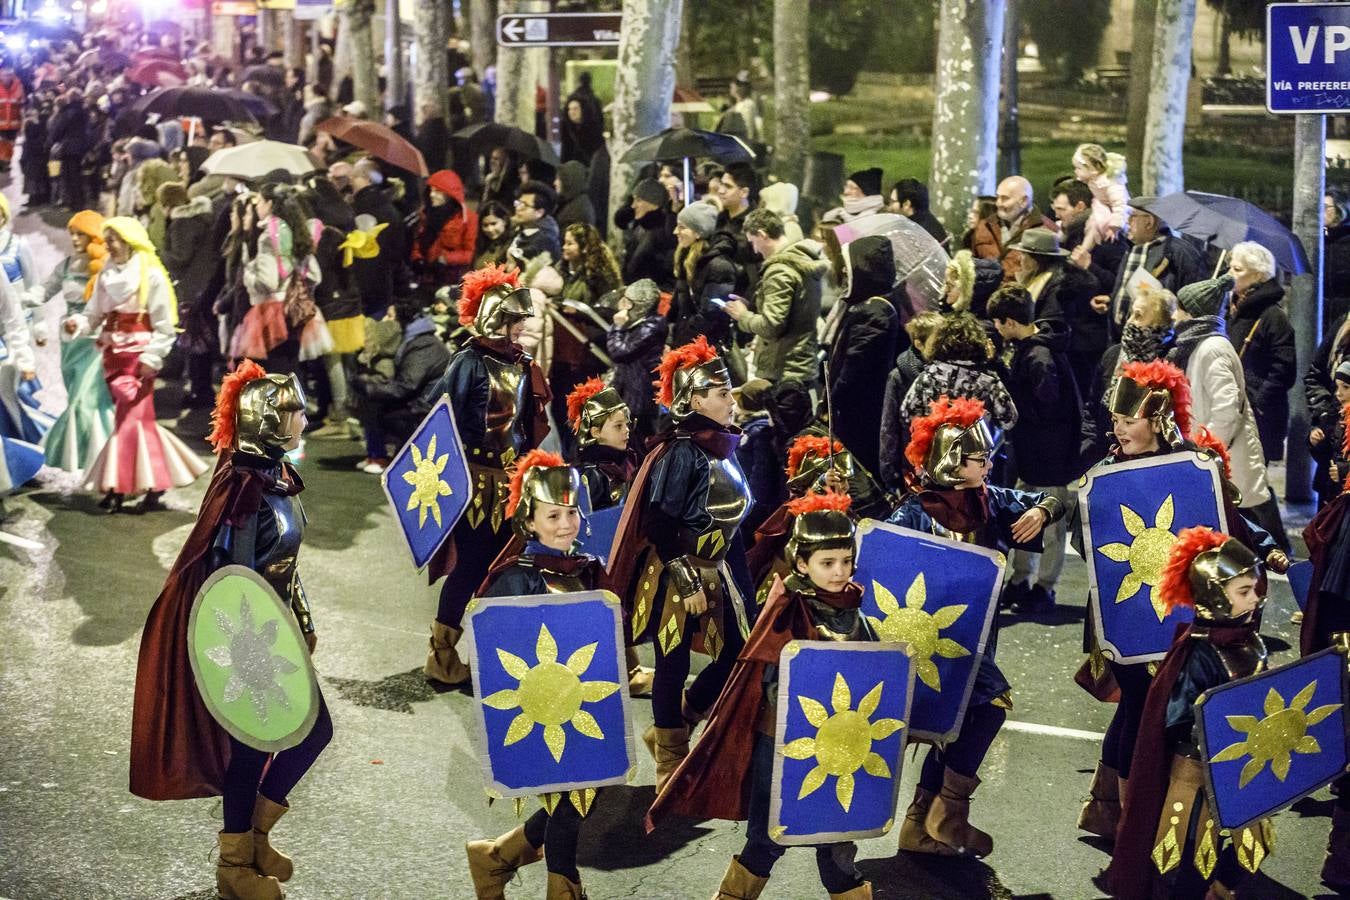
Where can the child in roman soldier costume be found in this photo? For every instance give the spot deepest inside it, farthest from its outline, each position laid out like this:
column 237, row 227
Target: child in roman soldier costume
column 250, row 516
column 1165, row 817
column 543, row 508
column 602, row 423
column 1150, row 407
column 952, row 452
column 677, row 543
column 729, row 774
column 500, row 403
column 1326, row 623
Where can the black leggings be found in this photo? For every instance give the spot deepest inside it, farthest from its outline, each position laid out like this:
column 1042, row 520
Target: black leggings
column 475, row 550
column 244, row 778
column 1118, row 747
column 557, row 834
column 965, row 754
column 672, row 670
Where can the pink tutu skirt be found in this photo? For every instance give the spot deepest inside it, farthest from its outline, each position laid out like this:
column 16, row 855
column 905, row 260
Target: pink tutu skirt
column 263, row 329
column 315, row 340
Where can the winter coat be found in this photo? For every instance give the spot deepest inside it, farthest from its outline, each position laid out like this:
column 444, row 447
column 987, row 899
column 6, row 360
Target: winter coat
column 1219, row 402
column 761, row 459
column 11, row 104
column 529, row 243
column 1336, row 272
column 1319, row 384
column 433, row 140
column 1042, row 385
column 787, row 304
column 449, row 252
column 863, row 348
column 895, row 425
column 336, row 295
column 1007, row 256
column 315, row 112
column 376, row 277
column 1173, row 261
column 929, row 223
column 1104, row 257
column 691, row 313
column 574, row 203
column 636, row 350
column 1261, row 333
column 68, row 134
column 959, row 379
column 984, row 241
column 649, row 249
column 419, row 362
column 187, row 253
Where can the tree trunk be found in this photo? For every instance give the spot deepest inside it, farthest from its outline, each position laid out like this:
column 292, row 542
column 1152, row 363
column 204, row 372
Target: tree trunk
column 1141, row 65
column 482, row 34
column 357, row 16
column 342, row 49
column 684, row 51
column 431, row 74
column 1009, row 134
column 1225, row 65
column 396, row 87
column 1166, row 130
column 294, row 33
column 518, row 73
column 965, row 109
column 644, row 83
column 1305, row 291
column 791, row 89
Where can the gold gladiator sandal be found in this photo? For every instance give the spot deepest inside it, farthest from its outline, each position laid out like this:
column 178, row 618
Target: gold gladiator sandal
column 1101, row 812
column 949, row 817
column 236, row 879
column 266, row 859
column 493, row 863
column 913, row 837
column 443, row 662
column 560, row 888
column 739, row 884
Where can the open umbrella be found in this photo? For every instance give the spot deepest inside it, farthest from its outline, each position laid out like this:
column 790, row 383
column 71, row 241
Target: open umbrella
column 153, row 73
column 686, row 144
column 252, row 161
column 378, row 140
column 1227, row 221
column 486, row 135
column 202, row 103
column 920, row 261
column 260, row 106
column 146, row 54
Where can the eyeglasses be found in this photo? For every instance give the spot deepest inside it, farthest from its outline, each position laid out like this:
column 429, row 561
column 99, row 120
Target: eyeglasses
column 978, row 460
column 521, row 204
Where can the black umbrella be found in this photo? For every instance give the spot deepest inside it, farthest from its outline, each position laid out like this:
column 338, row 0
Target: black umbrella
column 1227, row 221
column 204, row 103
column 260, row 106
column 688, row 143
column 517, row 140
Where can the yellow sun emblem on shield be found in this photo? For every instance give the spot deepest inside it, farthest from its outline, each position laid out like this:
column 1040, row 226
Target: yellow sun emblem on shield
column 843, row 741
column 428, row 486
column 1146, row 554
column 921, row 630
column 1283, row 731
column 550, row 694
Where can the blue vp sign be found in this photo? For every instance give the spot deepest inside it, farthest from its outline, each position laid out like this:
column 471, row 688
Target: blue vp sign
column 1308, row 57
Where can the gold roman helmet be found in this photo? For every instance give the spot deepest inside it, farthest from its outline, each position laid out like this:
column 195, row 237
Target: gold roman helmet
column 261, row 416
column 809, row 460
column 686, row 370
column 492, row 299
column 589, row 405
column 952, row 443
column 541, row 476
column 820, row 522
column 1210, row 571
column 1157, row 391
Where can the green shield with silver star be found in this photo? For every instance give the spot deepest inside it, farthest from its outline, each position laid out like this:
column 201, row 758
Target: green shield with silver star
column 250, row 661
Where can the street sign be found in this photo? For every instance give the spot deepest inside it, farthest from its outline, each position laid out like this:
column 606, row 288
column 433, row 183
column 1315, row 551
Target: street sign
column 1307, row 57
column 559, row 30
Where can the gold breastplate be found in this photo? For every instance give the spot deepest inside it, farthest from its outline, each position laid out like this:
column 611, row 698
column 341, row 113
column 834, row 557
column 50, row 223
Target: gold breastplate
column 506, row 398
column 558, row 583
column 1241, row 660
column 728, row 494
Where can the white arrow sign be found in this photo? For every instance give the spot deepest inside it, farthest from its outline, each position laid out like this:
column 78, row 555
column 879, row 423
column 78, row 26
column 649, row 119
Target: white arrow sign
column 513, row 29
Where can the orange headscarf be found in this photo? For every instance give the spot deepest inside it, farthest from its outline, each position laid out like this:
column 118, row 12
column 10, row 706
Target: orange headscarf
column 90, row 224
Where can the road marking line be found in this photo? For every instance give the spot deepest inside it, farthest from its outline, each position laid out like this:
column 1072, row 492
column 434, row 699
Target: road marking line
column 1053, row 731
column 25, row 543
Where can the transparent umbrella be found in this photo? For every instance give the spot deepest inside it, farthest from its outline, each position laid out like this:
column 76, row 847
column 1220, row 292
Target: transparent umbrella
column 920, row 261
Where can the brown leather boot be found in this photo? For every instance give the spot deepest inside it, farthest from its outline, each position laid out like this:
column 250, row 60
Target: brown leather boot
column 236, row 879
column 669, row 747
column 861, row 892
column 949, row 817
column 443, row 662
column 1336, row 868
column 640, row 677
column 266, row 859
column 1101, row 812
column 559, row 888
column 493, row 863
column 739, row 884
column 913, row 837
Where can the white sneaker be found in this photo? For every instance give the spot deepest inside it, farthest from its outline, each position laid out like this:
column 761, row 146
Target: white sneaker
column 374, row 467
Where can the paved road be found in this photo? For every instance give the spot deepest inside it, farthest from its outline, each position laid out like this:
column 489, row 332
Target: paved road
column 390, row 804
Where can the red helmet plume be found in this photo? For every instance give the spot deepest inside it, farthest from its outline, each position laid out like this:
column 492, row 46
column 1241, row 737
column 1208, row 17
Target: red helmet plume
column 808, row 445
column 576, row 400
column 1175, row 587
column 1345, row 426
column 830, row 500
column 1164, row 375
column 526, row 462
column 1205, row 439
column 479, row 282
column 961, row 411
column 227, row 404
column 695, row 353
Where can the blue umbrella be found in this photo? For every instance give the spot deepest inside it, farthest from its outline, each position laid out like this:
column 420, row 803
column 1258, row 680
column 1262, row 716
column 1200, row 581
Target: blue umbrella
column 1227, row 221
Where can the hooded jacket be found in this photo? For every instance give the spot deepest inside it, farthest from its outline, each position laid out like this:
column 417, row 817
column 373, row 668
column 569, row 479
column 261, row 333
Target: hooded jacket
column 714, row 277
column 1261, row 333
column 187, row 253
column 864, row 346
column 574, row 203
column 418, row 363
column 376, row 277
column 1049, row 409
column 447, row 234
column 649, row 249
column 541, row 237
column 787, row 304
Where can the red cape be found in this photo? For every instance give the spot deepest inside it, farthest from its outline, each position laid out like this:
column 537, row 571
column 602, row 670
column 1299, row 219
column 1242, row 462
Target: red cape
column 1320, row 535
column 713, row 782
column 770, row 540
column 178, row 751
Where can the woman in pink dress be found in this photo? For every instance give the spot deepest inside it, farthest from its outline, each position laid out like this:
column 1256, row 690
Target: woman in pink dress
column 134, row 312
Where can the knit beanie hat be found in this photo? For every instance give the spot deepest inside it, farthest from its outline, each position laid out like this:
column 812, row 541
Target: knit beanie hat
column 700, row 218
column 1204, row 298
column 649, row 189
column 139, row 149
column 1343, row 372
column 868, row 180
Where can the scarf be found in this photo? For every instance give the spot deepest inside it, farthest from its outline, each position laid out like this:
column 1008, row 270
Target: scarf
column 1189, row 335
column 1141, row 343
column 714, row 439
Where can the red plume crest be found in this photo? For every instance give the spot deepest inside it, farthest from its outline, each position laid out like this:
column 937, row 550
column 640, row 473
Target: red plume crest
column 227, row 404
column 576, row 401
column 820, row 502
column 1175, row 586
column 1160, row 374
column 526, row 462
column 476, row 284
column 962, row 411
column 695, row 353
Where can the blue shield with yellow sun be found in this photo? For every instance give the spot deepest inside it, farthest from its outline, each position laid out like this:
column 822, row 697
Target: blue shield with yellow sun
column 428, row 484
column 937, row 596
column 843, row 714
column 1272, row 739
column 552, row 689
column 1131, row 514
